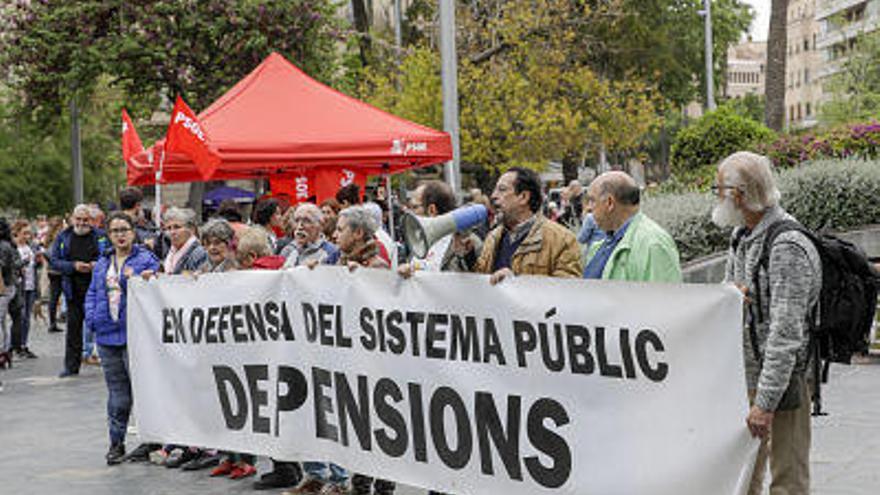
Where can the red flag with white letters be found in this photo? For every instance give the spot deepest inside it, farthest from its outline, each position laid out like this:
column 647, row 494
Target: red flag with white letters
column 131, row 142
column 187, row 136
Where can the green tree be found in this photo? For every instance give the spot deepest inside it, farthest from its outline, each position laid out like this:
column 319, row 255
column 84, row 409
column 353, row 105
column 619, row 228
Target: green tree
column 35, row 163
column 750, row 106
column 855, row 90
column 661, row 41
column 524, row 100
column 55, row 49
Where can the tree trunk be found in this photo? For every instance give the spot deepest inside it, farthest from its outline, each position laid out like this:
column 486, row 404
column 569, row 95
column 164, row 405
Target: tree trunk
column 362, row 24
column 570, row 164
column 774, row 85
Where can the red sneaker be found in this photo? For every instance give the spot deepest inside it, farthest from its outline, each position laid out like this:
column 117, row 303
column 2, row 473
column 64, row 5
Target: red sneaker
column 224, row 468
column 242, row 470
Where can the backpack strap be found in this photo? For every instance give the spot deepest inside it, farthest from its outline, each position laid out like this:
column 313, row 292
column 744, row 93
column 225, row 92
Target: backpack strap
column 738, row 235
column 773, row 231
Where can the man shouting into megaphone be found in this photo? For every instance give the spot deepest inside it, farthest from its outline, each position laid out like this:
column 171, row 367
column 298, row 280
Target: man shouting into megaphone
column 454, row 252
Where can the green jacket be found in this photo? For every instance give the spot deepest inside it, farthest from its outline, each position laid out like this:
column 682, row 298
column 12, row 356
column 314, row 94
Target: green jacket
column 646, row 253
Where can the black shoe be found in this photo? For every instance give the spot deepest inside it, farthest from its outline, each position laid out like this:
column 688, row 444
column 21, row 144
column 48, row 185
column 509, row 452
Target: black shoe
column 175, row 461
column 28, row 354
column 142, row 452
column 202, row 462
column 278, row 479
column 55, row 330
column 116, row 454
column 68, row 374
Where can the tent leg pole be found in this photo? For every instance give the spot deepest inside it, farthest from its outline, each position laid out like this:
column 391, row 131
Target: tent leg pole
column 393, row 255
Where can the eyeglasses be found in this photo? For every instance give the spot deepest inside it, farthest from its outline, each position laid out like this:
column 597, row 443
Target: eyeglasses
column 305, row 220
column 120, row 231
column 716, row 189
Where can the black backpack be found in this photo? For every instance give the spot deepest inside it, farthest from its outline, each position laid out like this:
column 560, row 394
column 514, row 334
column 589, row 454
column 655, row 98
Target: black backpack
column 847, row 301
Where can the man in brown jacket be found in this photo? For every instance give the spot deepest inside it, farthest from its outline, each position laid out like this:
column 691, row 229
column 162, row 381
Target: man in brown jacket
column 524, row 242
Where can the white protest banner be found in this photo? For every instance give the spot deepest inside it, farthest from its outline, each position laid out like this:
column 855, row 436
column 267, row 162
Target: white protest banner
column 534, row 386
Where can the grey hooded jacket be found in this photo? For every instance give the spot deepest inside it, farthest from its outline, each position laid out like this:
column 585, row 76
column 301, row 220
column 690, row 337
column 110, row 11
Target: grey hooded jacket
column 789, row 291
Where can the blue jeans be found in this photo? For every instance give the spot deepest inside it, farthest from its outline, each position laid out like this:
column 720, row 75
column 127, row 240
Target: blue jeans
column 326, row 471
column 114, row 360
column 26, row 310
column 88, row 341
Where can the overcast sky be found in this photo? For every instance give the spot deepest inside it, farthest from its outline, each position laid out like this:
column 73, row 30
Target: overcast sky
column 761, row 23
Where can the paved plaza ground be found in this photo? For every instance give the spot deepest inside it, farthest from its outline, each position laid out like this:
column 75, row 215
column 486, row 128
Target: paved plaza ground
column 53, row 435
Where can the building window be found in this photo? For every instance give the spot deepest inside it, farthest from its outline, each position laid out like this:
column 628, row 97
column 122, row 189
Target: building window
column 806, row 45
column 808, row 110
column 799, row 111
column 814, row 41
column 806, row 76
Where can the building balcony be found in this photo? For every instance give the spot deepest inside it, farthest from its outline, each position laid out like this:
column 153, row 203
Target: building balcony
column 828, row 8
column 835, row 36
column 831, row 67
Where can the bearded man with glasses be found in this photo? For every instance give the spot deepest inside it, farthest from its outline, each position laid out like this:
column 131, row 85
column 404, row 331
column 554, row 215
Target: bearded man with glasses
column 74, row 254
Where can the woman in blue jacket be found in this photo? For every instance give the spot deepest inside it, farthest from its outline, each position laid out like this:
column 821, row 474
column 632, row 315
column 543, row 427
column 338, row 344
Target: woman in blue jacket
column 105, row 313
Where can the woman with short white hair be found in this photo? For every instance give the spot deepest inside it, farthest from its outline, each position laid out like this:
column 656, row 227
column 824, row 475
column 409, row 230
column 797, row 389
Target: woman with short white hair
column 186, row 254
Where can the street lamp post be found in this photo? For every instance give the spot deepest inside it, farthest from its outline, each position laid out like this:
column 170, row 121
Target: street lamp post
column 710, row 83
column 449, row 73
column 76, row 153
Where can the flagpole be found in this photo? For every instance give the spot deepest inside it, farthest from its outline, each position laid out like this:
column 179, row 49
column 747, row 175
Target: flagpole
column 157, row 209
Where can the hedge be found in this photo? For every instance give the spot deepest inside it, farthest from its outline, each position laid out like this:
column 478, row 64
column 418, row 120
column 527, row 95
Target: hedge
column 832, row 195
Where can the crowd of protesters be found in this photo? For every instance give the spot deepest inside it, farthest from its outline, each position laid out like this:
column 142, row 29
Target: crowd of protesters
column 595, row 233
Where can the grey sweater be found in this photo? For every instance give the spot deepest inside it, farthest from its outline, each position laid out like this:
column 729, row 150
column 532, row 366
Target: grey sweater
column 788, row 293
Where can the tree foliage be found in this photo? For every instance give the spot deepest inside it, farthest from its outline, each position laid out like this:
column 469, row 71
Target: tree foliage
column 523, row 98
column 35, row 162
column 660, row 41
column 855, row 89
column 55, row 49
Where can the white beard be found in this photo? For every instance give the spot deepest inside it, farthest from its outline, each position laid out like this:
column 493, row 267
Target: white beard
column 725, row 214
column 82, row 230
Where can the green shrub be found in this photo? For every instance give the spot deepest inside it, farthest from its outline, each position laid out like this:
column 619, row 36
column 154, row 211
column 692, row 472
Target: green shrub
column 688, row 219
column 713, row 137
column 833, row 195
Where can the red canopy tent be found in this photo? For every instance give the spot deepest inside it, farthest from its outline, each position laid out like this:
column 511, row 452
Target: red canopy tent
column 278, row 122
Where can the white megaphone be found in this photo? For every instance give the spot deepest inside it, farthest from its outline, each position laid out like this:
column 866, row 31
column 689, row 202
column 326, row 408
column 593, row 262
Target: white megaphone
column 422, row 232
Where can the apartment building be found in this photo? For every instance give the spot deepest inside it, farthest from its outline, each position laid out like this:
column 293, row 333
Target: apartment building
column 746, row 68
column 841, row 22
column 804, row 63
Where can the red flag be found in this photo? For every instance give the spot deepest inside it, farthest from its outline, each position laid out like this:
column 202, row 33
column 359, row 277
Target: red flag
column 131, row 142
column 185, row 135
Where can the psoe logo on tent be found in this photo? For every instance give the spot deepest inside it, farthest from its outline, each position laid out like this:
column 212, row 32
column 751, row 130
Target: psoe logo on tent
column 190, row 125
column 347, row 177
column 402, row 147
